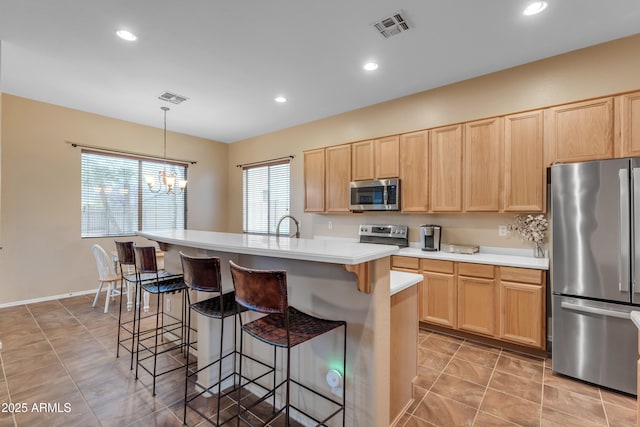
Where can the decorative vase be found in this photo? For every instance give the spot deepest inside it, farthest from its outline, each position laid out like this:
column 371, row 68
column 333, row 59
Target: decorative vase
column 538, row 250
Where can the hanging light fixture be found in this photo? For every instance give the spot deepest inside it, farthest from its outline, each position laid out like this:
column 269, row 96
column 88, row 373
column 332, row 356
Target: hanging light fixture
column 166, row 179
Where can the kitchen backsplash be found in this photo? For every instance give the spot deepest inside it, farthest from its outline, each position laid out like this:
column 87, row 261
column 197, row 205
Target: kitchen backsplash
column 463, row 228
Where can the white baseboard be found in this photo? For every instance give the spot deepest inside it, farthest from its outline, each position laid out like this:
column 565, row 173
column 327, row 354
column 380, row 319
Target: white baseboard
column 49, row 298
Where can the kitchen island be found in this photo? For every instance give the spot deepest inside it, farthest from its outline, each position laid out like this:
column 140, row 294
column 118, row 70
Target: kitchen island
column 331, row 279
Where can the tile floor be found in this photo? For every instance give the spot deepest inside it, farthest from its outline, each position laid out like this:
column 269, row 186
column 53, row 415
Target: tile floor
column 62, row 353
column 462, row 383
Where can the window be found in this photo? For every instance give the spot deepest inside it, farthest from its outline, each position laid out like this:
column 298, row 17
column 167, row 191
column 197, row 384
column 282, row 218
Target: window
column 265, row 197
column 116, row 201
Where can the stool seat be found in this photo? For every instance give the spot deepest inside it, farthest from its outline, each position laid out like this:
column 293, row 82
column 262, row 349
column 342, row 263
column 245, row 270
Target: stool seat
column 211, row 306
column 165, row 286
column 272, row 328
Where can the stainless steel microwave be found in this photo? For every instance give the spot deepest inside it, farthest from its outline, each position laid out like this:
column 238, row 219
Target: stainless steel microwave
column 376, row 195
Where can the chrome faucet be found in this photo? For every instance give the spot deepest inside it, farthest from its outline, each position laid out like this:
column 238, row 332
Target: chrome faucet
column 294, row 220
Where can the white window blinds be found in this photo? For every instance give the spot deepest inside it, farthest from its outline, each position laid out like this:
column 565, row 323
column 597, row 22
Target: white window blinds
column 117, row 202
column 265, row 197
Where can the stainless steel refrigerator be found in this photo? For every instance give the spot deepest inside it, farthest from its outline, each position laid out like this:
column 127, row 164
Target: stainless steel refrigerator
column 595, row 270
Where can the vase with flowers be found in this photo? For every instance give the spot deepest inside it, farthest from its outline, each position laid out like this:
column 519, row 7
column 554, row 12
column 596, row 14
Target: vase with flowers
column 532, row 229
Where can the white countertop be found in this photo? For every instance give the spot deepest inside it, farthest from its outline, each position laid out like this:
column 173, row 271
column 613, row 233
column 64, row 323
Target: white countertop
column 401, row 280
column 318, row 250
column 635, row 318
column 496, row 257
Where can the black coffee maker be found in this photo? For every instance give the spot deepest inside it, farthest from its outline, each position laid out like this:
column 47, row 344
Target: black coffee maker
column 430, row 237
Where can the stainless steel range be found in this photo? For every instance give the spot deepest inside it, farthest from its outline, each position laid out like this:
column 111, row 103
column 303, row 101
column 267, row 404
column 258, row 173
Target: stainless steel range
column 384, row 234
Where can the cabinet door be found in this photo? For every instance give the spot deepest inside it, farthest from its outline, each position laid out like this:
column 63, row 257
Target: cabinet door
column 414, row 171
column 438, row 299
column 630, row 124
column 476, row 305
column 524, row 175
column 521, row 313
column 338, row 176
column 387, row 157
column 314, row 180
column 581, row 131
column 483, row 165
column 445, row 179
column 362, row 155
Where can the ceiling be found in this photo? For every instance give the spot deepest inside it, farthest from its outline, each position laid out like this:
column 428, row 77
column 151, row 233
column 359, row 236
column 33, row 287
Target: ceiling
column 232, row 58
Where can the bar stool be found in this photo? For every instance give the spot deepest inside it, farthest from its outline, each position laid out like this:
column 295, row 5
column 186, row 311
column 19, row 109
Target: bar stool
column 127, row 264
column 265, row 291
column 203, row 274
column 149, row 279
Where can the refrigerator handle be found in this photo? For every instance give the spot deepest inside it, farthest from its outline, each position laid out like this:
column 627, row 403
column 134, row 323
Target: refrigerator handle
column 595, row 310
column 635, row 249
column 624, row 259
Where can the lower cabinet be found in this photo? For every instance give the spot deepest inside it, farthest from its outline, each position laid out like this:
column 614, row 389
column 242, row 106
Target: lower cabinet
column 505, row 303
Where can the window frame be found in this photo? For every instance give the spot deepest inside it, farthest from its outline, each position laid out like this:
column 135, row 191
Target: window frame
column 260, row 165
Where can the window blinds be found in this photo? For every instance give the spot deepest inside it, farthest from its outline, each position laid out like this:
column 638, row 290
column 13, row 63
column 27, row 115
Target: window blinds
column 116, row 200
column 266, row 195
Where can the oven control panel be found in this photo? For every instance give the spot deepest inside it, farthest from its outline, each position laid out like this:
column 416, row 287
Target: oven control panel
column 384, row 234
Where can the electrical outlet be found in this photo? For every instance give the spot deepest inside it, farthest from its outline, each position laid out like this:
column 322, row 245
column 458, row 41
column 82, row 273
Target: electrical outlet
column 502, row 231
column 330, row 225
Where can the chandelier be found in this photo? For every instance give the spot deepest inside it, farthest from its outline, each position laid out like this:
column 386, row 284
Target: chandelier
column 167, row 180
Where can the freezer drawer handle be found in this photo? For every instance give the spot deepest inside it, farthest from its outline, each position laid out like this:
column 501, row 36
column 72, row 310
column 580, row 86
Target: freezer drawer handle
column 594, row 310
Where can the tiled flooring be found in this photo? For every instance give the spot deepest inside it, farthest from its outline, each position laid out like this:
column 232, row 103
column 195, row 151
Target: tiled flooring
column 461, row 383
column 62, row 353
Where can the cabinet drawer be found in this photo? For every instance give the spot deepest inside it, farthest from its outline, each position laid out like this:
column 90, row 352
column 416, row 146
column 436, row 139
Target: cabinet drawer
column 437, row 266
column 405, row 262
column 475, row 270
column 524, row 275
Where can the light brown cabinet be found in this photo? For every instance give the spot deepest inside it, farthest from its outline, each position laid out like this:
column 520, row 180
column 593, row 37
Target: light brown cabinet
column 438, row 293
column 445, row 179
column 522, row 306
column 375, row 159
column 337, row 178
column 314, row 180
column 414, row 171
column 483, row 167
column 629, row 123
column 362, row 159
column 387, row 157
column 504, row 303
column 476, row 298
column 524, row 177
column 580, row 131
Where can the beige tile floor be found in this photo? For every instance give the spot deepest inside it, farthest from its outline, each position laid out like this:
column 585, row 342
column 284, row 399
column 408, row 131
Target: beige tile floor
column 462, row 383
column 62, row 353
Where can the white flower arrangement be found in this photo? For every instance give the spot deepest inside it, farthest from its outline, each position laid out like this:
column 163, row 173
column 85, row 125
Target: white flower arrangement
column 531, row 228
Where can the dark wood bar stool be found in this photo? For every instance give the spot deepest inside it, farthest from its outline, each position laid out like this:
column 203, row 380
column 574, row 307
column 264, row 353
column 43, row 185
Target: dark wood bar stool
column 127, row 264
column 202, row 274
column 283, row 326
column 149, row 279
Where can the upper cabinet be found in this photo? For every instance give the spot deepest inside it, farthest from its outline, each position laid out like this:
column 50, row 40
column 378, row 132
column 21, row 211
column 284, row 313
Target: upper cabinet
column 483, row 168
column 314, row 180
column 414, row 171
column 629, row 122
column 580, row 131
column 337, row 178
column 362, row 158
column 524, row 177
column 445, row 179
column 387, row 157
column 375, row 159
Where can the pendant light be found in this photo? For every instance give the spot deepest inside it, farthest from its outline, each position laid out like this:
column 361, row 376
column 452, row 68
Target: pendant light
column 167, row 180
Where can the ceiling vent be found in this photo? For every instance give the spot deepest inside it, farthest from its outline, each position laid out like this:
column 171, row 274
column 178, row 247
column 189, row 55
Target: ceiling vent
column 172, row 97
column 395, row 24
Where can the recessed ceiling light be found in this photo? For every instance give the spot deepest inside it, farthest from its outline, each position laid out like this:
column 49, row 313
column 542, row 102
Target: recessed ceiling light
column 370, row 66
column 280, row 99
column 126, row 35
column 535, row 8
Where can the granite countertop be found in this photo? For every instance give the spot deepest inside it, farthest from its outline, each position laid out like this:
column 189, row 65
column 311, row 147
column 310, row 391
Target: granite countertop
column 487, row 255
column 318, row 250
column 401, row 280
